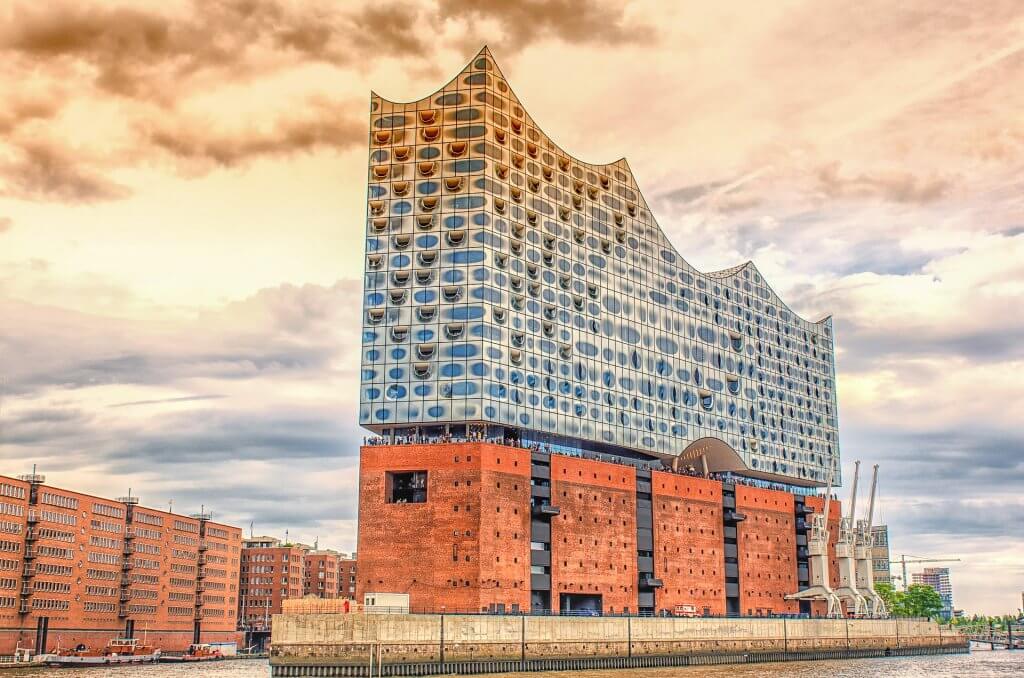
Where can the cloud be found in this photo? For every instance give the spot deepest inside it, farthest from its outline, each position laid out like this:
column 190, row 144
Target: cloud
column 18, row 111
column 901, row 187
column 142, row 52
column 525, row 22
column 45, row 173
column 6, row 224
column 162, row 401
column 320, row 124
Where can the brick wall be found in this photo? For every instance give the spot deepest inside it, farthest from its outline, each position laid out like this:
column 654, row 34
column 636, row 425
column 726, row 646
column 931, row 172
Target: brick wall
column 767, row 550
column 688, row 542
column 432, row 551
column 593, row 539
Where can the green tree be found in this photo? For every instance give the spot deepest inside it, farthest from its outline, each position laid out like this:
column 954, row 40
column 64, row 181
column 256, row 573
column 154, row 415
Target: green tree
column 921, row 601
column 892, row 598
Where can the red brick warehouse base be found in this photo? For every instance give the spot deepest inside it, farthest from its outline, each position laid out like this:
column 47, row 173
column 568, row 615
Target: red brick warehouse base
column 458, row 527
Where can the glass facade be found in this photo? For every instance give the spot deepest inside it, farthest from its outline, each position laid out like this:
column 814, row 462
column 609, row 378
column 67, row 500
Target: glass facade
column 510, row 284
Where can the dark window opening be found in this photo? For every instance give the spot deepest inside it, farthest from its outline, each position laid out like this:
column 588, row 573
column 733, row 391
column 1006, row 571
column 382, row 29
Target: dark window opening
column 407, row 487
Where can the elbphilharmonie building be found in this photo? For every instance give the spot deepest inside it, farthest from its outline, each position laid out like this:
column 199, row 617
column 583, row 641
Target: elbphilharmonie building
column 515, row 291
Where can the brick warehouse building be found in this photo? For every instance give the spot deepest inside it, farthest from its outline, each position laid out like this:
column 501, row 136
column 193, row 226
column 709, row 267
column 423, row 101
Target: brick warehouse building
column 274, row 571
column 496, row 524
column 75, row 568
column 664, row 431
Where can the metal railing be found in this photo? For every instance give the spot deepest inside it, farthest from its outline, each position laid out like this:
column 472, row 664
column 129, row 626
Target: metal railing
column 398, row 609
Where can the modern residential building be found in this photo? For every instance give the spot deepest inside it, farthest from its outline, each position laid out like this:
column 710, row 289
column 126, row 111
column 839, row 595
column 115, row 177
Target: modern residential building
column 515, row 291
column 80, row 569
column 880, row 554
column 938, row 579
column 569, row 414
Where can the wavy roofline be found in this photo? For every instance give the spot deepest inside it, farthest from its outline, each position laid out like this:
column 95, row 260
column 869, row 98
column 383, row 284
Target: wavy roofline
column 621, row 163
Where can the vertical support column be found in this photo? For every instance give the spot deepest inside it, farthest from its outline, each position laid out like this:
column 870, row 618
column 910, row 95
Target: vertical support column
column 442, row 643
column 541, row 512
column 803, row 566
column 730, row 522
column 647, row 584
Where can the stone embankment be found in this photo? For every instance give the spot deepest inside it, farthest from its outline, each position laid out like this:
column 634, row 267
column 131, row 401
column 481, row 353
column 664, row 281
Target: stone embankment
column 406, row 645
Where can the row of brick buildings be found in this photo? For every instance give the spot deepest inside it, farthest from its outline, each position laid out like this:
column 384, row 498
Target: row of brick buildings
column 273, row 571
column 75, row 568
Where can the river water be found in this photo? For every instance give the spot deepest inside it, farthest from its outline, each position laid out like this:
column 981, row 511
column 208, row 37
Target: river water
column 979, row 664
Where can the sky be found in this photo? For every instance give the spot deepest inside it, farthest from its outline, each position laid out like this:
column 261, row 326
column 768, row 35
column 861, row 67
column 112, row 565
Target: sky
column 182, row 205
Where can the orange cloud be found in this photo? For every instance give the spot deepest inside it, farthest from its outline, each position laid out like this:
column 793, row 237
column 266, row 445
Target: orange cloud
column 46, row 173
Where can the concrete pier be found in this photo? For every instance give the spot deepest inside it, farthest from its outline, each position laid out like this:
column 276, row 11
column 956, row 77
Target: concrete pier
column 407, row 645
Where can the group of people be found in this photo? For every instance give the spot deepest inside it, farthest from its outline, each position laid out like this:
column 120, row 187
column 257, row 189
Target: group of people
column 479, row 434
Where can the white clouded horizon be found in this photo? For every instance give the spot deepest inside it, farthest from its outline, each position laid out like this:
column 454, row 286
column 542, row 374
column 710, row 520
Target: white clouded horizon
column 181, row 230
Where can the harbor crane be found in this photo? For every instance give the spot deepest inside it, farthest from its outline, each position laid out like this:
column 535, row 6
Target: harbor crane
column 846, row 556
column 865, row 540
column 913, row 560
column 817, row 552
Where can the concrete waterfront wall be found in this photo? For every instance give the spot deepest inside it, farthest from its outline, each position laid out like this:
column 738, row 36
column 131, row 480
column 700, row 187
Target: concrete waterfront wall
column 349, row 640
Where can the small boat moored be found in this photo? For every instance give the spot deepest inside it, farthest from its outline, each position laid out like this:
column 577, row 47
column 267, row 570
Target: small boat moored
column 117, row 651
column 197, row 652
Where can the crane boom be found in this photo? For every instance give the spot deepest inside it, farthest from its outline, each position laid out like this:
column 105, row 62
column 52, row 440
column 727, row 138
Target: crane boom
column 853, row 491
column 871, row 502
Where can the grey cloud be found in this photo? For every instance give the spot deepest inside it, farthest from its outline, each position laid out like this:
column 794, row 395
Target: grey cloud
column 294, row 330
column 868, row 346
column 43, row 426
column 207, row 437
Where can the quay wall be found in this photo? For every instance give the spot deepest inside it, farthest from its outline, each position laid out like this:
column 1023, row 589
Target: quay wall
column 328, row 640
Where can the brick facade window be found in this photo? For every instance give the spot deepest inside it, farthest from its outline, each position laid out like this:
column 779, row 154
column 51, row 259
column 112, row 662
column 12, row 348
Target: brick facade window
column 406, row 487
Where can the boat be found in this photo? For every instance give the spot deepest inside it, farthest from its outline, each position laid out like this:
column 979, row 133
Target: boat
column 117, row 651
column 196, row 652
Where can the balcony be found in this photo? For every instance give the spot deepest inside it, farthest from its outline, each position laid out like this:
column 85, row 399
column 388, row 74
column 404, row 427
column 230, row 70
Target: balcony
column 128, row 550
column 33, row 478
column 28, row 571
column 30, row 553
column 204, row 545
column 201, row 561
column 650, row 582
column 546, row 510
column 733, row 517
column 122, row 610
column 129, row 500
column 26, row 589
column 129, row 534
column 23, row 608
column 33, row 517
column 201, row 573
column 126, row 565
column 125, row 596
column 30, row 534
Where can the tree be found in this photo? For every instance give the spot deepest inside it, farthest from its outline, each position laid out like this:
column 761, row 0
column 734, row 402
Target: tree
column 891, row 597
column 918, row 601
column 922, row 601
